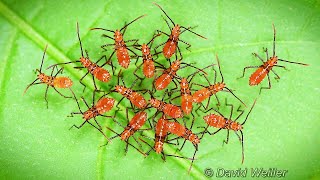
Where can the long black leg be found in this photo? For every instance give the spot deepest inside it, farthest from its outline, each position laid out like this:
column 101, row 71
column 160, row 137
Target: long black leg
column 227, row 139
column 104, row 56
column 72, row 113
column 62, row 63
column 82, row 82
column 241, row 112
column 256, row 55
column 189, row 45
column 106, row 45
column 95, row 120
column 277, row 76
column 241, row 141
column 248, row 67
column 161, row 32
column 267, row 54
column 218, row 102
column 99, row 131
column 31, row 84
column 85, row 102
column 60, row 70
column 106, row 36
column 269, row 82
column 78, row 127
column 76, row 100
column 45, row 96
column 61, row 93
column 119, row 102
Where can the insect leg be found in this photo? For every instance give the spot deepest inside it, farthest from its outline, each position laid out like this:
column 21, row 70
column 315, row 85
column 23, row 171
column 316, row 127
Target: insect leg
column 78, row 127
column 99, row 131
column 85, row 102
column 256, row 55
column 82, row 82
column 61, row 93
column 269, row 82
column 189, row 45
column 31, row 84
column 106, row 36
column 244, row 70
column 227, row 139
column 266, row 50
column 45, row 96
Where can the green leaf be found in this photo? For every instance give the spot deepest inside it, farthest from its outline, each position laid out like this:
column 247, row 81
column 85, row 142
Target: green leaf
column 281, row 132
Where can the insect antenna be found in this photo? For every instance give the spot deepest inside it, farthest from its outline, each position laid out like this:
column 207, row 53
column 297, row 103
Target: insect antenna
column 186, row 64
column 44, row 53
column 235, row 96
column 293, row 62
column 164, row 12
column 242, row 146
column 132, row 22
column 188, row 29
column 249, row 112
column 102, row 29
column 76, row 100
column 157, row 35
column 222, row 79
column 274, row 40
column 79, row 39
column 194, row 154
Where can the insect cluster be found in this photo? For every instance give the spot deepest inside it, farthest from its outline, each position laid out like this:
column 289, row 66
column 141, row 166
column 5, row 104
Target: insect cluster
column 156, row 108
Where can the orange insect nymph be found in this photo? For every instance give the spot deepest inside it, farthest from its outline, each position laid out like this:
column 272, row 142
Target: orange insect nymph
column 104, row 105
column 136, row 123
column 263, row 70
column 168, row 109
column 160, row 134
column 51, row 81
column 180, row 130
column 147, row 57
column 120, row 47
column 208, row 91
column 221, row 122
column 164, row 80
column 171, row 45
column 137, row 99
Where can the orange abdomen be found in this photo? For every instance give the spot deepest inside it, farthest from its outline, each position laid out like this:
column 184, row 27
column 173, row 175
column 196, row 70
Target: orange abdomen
column 186, row 103
column 160, row 134
column 102, row 74
column 123, row 57
column 136, row 122
column 172, row 111
column 258, row 76
column 104, row 105
column 201, row 95
column 169, row 48
column 215, row 120
column 62, row 82
column 148, row 68
column 176, row 128
column 138, row 100
column 163, row 81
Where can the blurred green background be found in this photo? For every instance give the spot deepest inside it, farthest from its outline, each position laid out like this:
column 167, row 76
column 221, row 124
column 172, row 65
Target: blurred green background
column 281, row 132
